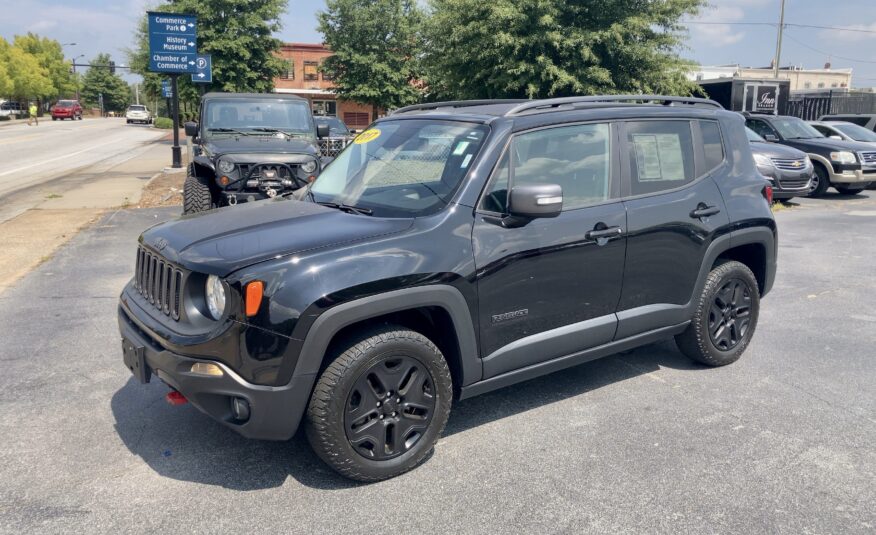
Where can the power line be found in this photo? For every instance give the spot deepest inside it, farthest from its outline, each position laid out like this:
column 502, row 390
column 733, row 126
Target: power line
column 774, row 24
column 801, row 43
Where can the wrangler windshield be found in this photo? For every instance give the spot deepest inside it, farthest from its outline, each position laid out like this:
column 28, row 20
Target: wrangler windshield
column 402, row 168
column 257, row 117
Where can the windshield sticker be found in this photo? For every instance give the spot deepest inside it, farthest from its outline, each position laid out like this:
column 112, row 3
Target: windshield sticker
column 460, row 148
column 366, row 136
column 466, row 161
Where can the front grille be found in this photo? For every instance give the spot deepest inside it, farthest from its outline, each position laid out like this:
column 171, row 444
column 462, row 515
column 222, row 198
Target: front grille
column 280, row 171
column 794, row 183
column 789, row 164
column 159, row 282
column 868, row 158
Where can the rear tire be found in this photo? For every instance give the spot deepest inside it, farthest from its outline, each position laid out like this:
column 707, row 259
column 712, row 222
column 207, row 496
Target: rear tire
column 381, row 405
column 849, row 191
column 725, row 318
column 820, row 181
column 196, row 195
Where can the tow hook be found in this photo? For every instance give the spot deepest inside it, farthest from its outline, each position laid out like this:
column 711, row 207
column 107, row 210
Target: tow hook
column 271, row 192
column 232, row 200
column 174, row 397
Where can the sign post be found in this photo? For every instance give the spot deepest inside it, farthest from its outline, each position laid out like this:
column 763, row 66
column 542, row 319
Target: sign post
column 173, row 50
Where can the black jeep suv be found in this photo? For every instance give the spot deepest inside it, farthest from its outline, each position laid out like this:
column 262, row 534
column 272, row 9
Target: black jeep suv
column 250, row 146
column 452, row 249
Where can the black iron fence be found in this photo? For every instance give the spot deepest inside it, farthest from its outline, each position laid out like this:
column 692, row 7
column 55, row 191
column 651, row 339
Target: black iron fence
column 811, row 107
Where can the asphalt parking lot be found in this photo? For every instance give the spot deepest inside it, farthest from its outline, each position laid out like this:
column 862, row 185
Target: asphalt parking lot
column 782, row 441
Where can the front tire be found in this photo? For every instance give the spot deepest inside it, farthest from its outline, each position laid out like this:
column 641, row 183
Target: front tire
column 381, row 405
column 820, row 181
column 725, row 318
column 196, row 195
column 849, row 191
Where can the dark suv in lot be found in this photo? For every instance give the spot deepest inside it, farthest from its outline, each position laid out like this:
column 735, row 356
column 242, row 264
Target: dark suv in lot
column 450, row 250
column 848, row 166
column 250, row 146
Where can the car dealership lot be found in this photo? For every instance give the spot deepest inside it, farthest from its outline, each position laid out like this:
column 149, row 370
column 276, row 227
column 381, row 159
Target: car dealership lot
column 782, row 441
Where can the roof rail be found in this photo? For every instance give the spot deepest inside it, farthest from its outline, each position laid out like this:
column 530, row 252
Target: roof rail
column 582, row 101
column 456, row 104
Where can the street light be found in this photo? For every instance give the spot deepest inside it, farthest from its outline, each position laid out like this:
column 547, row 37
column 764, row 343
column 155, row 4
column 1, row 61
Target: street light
column 73, row 62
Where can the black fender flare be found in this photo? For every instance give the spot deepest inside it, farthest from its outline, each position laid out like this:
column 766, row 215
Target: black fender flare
column 205, row 163
column 759, row 235
column 330, row 322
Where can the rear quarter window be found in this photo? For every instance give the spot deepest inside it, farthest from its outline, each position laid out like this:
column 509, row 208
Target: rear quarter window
column 713, row 145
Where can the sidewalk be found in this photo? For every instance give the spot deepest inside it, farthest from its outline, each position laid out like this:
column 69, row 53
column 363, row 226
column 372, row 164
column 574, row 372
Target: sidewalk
column 47, row 216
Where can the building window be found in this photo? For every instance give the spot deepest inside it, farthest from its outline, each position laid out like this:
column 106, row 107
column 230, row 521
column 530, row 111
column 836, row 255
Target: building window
column 289, row 72
column 357, row 120
column 325, row 76
column 834, row 84
column 807, row 85
column 325, row 107
column 820, row 85
column 311, row 72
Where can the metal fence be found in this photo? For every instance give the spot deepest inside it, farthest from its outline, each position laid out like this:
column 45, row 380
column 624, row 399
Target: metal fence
column 811, row 107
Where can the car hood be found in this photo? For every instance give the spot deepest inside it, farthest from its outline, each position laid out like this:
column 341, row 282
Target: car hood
column 259, row 144
column 774, row 150
column 830, row 144
column 222, row 241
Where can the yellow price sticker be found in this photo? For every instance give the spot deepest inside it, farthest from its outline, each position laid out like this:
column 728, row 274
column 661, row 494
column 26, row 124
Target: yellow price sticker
column 366, row 136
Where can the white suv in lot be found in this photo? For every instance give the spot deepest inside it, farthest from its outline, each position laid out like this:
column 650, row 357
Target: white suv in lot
column 137, row 113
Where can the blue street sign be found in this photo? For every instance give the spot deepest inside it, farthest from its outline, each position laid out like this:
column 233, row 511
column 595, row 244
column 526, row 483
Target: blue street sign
column 166, row 89
column 172, row 42
column 204, row 66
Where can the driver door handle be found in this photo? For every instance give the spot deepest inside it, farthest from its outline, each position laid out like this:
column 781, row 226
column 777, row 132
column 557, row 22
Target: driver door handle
column 702, row 210
column 609, row 232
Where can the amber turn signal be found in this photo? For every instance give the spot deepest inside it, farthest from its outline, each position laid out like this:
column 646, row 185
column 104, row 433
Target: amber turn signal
column 224, row 180
column 255, row 290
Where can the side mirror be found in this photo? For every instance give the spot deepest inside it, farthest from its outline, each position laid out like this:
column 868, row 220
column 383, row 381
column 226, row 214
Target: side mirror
column 191, row 129
column 322, row 131
column 771, row 138
column 532, row 201
column 354, row 131
column 835, row 137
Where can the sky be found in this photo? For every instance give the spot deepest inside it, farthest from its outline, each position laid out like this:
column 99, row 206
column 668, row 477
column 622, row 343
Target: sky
column 108, row 26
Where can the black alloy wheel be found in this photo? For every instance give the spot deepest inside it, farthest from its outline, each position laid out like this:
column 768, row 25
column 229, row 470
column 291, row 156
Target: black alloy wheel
column 389, row 407
column 730, row 315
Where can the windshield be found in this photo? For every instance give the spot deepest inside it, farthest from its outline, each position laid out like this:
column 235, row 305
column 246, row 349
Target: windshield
column 257, row 116
column 858, row 133
column 336, row 126
column 753, row 136
column 66, row 103
column 402, row 168
column 135, row 107
column 794, row 128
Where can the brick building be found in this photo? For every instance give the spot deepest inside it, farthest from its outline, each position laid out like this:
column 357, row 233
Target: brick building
column 304, row 79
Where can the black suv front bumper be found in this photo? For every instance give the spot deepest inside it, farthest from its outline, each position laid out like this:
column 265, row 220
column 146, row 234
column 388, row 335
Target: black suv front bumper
column 275, row 412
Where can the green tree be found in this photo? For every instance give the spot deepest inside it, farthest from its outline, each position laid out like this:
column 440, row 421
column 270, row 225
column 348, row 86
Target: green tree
column 50, row 56
column 24, row 77
column 376, row 46
column 239, row 36
column 6, row 85
column 99, row 80
column 548, row 48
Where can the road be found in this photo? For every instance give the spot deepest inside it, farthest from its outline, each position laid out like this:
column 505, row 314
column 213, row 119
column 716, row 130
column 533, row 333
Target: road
column 33, row 155
column 783, row 441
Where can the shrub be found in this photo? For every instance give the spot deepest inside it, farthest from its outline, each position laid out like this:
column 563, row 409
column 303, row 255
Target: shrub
column 163, row 122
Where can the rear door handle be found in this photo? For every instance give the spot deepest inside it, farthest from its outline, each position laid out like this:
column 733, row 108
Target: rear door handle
column 609, row 232
column 704, row 211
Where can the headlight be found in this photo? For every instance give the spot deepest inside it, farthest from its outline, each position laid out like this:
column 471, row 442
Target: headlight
column 309, row 166
column 225, row 166
column 843, row 156
column 762, row 160
column 215, row 292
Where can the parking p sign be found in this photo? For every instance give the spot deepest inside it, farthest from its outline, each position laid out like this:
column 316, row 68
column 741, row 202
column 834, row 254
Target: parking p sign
column 204, row 68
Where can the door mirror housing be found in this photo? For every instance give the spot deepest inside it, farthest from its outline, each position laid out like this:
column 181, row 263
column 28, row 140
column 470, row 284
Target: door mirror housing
column 531, row 201
column 191, row 129
column 772, row 138
column 322, row 131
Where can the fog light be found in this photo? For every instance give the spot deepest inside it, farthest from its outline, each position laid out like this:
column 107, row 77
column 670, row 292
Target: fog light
column 287, row 183
column 240, row 409
column 205, row 368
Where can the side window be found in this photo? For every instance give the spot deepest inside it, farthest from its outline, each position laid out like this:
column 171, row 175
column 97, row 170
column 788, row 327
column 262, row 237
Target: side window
column 713, row 147
column 577, row 158
column 760, row 127
column 661, row 155
column 823, row 129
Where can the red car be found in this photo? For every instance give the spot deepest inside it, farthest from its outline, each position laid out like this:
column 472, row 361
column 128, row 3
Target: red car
column 67, row 109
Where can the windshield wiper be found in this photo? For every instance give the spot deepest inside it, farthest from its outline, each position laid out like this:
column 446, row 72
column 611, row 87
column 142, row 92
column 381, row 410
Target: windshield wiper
column 278, row 131
column 349, row 208
column 229, row 130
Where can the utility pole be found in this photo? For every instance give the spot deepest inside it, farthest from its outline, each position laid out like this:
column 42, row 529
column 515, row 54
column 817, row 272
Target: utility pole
column 779, row 42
